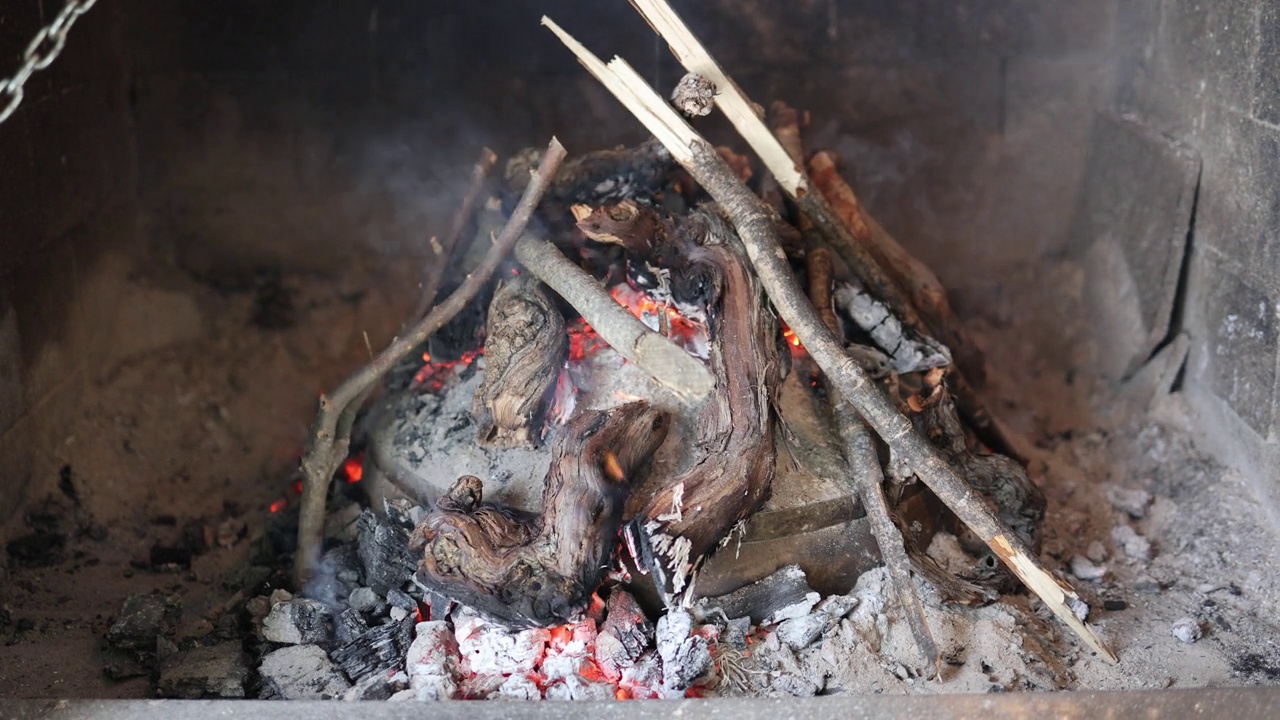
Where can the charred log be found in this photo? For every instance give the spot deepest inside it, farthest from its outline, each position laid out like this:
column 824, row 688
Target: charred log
column 696, row 510
column 525, row 569
column 525, row 346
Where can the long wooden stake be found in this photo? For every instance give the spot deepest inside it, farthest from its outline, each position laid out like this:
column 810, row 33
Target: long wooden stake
column 331, row 434
column 755, row 228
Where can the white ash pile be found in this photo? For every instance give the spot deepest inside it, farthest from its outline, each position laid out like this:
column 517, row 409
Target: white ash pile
column 367, row 631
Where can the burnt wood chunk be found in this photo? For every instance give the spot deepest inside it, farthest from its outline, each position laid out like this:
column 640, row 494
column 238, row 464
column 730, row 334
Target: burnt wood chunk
column 524, row 349
column 601, row 176
column 524, row 569
column 383, row 549
column 696, row 510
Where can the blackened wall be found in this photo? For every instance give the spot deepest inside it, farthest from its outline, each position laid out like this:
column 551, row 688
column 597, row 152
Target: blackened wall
column 1208, row 75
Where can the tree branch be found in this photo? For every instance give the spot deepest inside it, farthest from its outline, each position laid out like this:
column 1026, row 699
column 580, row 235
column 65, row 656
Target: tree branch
column 433, row 275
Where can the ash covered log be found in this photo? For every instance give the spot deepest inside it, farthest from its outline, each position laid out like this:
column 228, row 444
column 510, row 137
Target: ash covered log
column 525, row 347
column 525, row 569
column 695, row 511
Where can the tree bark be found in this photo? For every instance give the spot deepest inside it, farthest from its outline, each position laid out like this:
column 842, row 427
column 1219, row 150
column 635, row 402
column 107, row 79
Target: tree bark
column 524, row 349
column 526, row 569
column 695, row 512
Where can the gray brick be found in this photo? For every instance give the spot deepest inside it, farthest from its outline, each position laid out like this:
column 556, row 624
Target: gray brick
column 1266, row 82
column 1139, row 191
column 1239, row 212
column 1237, row 357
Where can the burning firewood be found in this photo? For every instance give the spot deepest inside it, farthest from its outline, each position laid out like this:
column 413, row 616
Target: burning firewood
column 541, row 568
column 525, row 346
column 751, row 219
column 665, row 361
column 695, row 511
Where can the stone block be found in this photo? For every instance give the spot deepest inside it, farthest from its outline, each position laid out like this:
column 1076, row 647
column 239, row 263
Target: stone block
column 1239, row 210
column 1237, row 356
column 1132, row 223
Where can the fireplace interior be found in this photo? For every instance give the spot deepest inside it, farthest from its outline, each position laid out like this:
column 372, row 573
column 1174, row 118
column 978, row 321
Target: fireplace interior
column 215, row 212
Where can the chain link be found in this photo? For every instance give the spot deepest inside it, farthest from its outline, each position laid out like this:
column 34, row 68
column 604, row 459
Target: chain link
column 41, row 52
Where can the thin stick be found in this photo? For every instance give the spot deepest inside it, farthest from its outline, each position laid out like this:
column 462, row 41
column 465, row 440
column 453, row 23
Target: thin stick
column 867, row 478
column 671, row 366
column 442, row 252
column 331, row 434
column 755, row 228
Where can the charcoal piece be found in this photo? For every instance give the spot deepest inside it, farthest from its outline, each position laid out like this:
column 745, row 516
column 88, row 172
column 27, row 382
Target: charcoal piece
column 384, row 553
column 626, row 621
column 380, row 649
column 217, row 671
column 66, row 483
column 42, row 548
column 124, row 669
column 401, row 599
column 141, row 619
column 601, row 176
column 338, row 573
column 297, row 622
column 300, row 672
column 785, row 587
column 377, row 687
column 348, row 626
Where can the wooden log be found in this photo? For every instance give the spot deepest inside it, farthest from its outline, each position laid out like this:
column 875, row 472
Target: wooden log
column 526, row 569
column 866, row 476
column 696, row 510
column 922, row 287
column 525, row 347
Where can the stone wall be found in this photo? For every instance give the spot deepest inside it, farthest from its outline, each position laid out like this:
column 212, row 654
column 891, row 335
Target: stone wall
column 1207, row 76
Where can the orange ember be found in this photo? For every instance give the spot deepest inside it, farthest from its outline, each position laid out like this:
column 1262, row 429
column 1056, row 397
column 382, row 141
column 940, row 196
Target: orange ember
column 434, row 374
column 583, row 341
column 561, row 635
column 279, row 505
column 790, row 337
column 353, row 468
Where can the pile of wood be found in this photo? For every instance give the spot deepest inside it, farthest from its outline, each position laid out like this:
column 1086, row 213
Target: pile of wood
column 767, row 263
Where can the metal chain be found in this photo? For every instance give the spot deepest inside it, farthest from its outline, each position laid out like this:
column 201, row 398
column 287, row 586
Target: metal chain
column 41, row 52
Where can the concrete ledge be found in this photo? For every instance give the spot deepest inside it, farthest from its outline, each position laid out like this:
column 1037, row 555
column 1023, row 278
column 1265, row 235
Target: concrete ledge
column 1236, row 703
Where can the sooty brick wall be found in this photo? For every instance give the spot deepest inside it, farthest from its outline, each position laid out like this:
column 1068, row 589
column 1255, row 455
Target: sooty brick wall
column 1207, row 74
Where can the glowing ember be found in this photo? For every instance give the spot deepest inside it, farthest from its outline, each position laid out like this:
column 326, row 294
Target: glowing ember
column 279, row 505
column 687, row 333
column 353, row 468
column 434, row 374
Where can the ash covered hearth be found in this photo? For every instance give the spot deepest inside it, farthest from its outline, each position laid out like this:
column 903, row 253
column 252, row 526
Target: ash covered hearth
column 841, row 350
